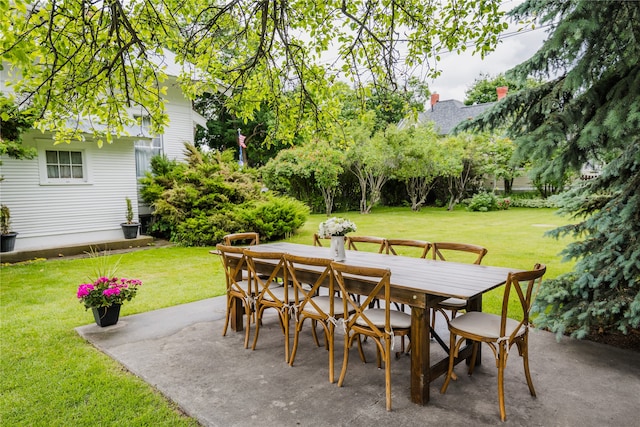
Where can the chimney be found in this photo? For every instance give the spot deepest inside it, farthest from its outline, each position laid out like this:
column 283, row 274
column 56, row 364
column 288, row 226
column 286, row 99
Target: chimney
column 502, row 91
column 435, row 97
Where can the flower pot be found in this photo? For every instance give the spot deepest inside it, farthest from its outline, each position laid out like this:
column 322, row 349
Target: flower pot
column 130, row 231
column 337, row 248
column 106, row 316
column 7, row 242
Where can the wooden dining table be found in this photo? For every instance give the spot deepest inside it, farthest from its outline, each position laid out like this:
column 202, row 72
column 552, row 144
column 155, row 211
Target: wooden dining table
column 420, row 284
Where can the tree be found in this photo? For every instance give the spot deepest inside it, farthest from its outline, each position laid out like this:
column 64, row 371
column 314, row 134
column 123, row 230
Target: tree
column 589, row 111
column 372, row 159
column 475, row 159
column 299, row 169
column 92, row 61
column 423, row 158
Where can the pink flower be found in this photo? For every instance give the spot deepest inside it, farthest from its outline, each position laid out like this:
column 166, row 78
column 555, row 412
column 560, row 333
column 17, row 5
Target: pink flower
column 111, row 291
column 84, row 290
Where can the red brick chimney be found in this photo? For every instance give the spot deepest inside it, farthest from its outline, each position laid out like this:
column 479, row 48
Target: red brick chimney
column 435, row 97
column 502, row 91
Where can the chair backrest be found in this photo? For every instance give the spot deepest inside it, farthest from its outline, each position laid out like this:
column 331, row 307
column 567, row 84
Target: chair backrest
column 234, row 262
column 394, row 244
column 379, row 242
column 380, row 279
column 265, row 268
column 249, row 238
column 317, row 240
column 307, row 275
column 439, row 249
column 525, row 285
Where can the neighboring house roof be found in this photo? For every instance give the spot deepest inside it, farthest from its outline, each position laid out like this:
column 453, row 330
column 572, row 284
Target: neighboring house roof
column 448, row 113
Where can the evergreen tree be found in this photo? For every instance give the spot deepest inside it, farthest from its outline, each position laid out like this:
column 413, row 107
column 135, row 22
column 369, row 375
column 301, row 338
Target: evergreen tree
column 588, row 112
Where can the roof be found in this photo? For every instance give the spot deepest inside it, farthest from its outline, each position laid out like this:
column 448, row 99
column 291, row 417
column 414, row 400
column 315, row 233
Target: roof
column 448, row 113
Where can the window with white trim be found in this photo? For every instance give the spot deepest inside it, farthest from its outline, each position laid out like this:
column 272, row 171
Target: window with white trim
column 146, row 148
column 65, row 165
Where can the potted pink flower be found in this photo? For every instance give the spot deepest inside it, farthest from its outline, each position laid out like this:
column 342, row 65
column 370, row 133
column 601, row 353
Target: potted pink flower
column 106, row 294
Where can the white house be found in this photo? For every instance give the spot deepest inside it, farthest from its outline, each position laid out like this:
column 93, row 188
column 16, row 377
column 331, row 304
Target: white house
column 73, row 194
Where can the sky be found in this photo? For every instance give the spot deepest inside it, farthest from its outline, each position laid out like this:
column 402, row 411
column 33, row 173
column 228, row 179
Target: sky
column 460, row 71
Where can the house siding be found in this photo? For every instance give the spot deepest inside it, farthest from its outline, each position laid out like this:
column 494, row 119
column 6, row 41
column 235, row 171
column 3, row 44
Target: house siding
column 181, row 128
column 48, row 215
column 53, row 215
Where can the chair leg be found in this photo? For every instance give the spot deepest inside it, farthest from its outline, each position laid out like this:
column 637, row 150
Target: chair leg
column 331, row 345
column 247, row 313
column 345, row 360
column 259, row 312
column 360, row 350
column 387, row 369
column 502, row 360
column 228, row 316
column 314, row 333
column 452, row 356
column 296, row 337
column 524, row 351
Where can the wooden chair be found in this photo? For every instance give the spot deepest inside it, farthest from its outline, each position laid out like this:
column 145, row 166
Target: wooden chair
column 460, row 252
column 415, row 247
column 363, row 241
column 264, row 270
column 246, row 239
column 317, row 240
column 499, row 332
column 380, row 324
column 242, row 239
column 395, row 244
column 238, row 287
column 308, row 275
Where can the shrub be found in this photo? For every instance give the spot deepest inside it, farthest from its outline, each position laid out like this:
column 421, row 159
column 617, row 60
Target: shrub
column 197, row 203
column 483, row 202
column 276, row 217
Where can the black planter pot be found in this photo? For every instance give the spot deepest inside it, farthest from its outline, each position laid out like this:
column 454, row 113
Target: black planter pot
column 7, row 242
column 106, row 316
column 130, row 231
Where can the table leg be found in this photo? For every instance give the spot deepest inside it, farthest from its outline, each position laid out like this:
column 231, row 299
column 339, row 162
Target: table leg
column 237, row 315
column 420, row 356
column 475, row 304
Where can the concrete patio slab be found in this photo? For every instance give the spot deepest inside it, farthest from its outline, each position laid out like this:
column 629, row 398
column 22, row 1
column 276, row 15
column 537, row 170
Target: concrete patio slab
column 181, row 352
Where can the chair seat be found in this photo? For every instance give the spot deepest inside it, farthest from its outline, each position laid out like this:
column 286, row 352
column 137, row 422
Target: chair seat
column 455, row 303
column 278, row 291
column 323, row 302
column 398, row 319
column 483, row 324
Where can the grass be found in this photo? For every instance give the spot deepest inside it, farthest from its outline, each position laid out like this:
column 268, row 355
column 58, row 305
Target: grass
column 50, row 376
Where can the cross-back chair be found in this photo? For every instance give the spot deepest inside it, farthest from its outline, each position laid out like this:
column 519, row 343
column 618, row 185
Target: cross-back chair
column 242, row 239
column 378, row 243
column 460, row 252
column 317, row 240
column 308, row 275
column 407, row 247
column 500, row 332
column 379, row 324
column 238, row 288
column 265, row 268
column 245, row 239
column 395, row 245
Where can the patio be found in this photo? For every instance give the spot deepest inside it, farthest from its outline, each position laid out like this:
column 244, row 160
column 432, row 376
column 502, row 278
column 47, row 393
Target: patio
column 180, row 351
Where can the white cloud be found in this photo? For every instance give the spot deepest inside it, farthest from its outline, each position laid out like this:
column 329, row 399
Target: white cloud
column 460, row 71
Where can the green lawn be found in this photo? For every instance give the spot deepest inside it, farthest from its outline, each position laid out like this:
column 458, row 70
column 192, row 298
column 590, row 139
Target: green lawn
column 50, row 376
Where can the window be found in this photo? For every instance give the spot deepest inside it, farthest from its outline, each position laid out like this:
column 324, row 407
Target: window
column 65, row 165
column 146, row 149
